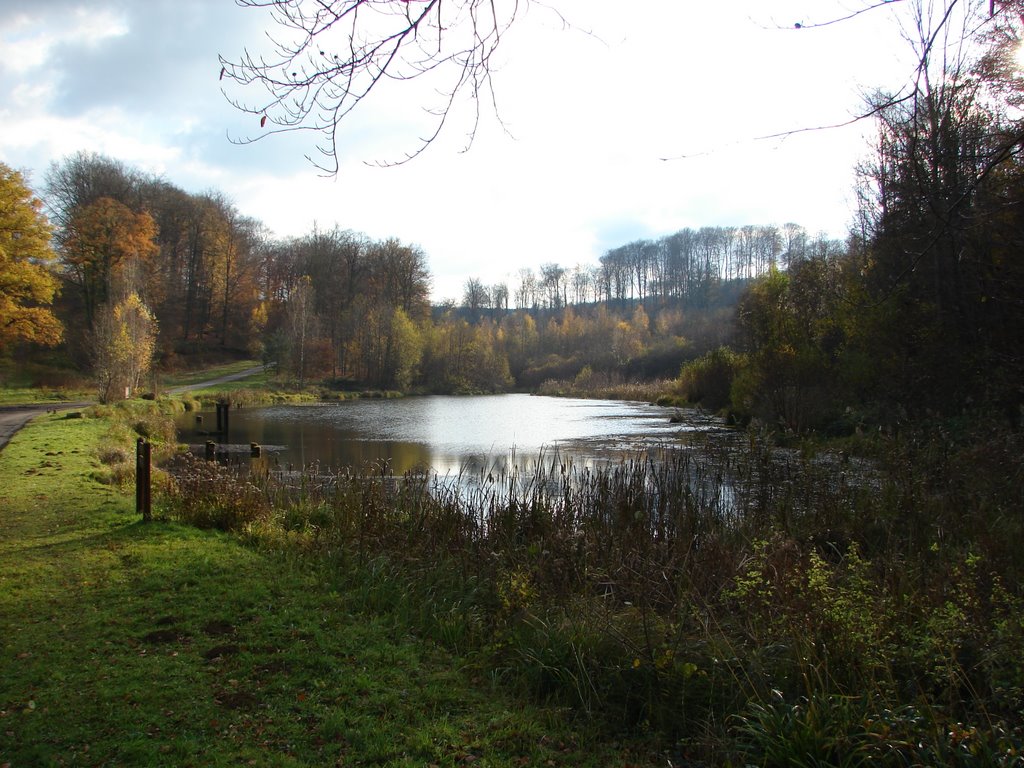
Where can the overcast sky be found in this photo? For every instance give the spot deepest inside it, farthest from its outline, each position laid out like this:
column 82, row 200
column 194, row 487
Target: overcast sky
column 591, row 110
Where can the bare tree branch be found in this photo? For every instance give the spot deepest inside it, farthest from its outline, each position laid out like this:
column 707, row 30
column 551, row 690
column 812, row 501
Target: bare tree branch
column 907, row 92
column 841, row 19
column 327, row 56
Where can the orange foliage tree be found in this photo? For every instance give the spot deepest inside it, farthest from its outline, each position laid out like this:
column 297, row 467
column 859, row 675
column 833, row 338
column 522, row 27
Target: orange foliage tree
column 103, row 242
column 27, row 287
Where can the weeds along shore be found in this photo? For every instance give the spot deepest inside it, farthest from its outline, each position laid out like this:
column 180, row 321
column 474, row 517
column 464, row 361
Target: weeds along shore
column 733, row 600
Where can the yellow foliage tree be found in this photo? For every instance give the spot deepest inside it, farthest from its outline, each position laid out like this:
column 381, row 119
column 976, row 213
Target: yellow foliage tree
column 27, row 287
column 124, row 340
column 405, row 350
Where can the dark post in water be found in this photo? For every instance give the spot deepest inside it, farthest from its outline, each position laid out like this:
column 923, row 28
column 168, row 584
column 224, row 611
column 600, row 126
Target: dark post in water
column 222, row 419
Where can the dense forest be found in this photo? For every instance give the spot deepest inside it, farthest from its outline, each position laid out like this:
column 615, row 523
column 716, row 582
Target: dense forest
column 335, row 305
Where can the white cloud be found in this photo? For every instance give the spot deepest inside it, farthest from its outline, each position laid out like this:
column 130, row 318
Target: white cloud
column 30, row 40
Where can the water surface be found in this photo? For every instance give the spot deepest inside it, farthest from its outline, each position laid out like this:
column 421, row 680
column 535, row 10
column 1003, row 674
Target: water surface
column 456, row 435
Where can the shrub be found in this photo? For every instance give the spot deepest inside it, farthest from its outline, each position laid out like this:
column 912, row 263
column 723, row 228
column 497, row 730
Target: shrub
column 708, row 379
column 114, row 454
column 208, row 495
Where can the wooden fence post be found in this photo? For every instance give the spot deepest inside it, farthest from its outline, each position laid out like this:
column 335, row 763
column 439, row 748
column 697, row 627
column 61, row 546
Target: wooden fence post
column 143, row 479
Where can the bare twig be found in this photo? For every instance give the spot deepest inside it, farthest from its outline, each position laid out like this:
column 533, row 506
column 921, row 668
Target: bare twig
column 327, row 56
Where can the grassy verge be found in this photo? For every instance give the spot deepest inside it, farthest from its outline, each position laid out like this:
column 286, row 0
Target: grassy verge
column 261, row 390
column 161, row 644
column 25, row 395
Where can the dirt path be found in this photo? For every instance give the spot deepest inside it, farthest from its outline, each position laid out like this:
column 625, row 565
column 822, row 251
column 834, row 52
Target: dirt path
column 214, row 382
column 14, row 417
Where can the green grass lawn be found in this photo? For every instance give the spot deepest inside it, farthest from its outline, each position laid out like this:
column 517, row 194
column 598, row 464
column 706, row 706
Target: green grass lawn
column 156, row 644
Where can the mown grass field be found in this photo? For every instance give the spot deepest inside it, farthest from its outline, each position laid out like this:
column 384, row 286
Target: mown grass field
column 123, row 643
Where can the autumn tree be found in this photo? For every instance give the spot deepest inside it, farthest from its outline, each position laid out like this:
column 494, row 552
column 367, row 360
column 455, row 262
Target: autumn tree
column 303, row 327
column 940, row 213
column 403, row 351
column 208, row 256
column 447, row 353
column 123, row 344
column 401, row 276
column 793, row 328
column 27, row 287
column 100, row 245
column 526, row 293
column 499, row 298
column 488, row 367
column 520, row 334
column 81, row 179
column 553, row 283
column 475, row 298
column 227, row 284
column 337, row 263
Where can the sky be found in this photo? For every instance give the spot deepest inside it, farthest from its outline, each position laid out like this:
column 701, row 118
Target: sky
column 622, row 125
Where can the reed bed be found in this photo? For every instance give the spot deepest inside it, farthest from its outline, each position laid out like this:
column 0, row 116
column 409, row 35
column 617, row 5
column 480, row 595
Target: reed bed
column 745, row 603
column 605, row 387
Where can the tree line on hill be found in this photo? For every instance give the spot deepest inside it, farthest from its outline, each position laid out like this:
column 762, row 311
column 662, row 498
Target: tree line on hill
column 201, row 280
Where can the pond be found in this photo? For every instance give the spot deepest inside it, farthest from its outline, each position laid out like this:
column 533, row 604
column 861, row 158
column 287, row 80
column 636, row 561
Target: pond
column 454, row 436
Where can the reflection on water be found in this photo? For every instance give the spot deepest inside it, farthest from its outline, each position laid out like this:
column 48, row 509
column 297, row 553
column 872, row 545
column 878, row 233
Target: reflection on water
column 505, row 446
column 457, row 436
